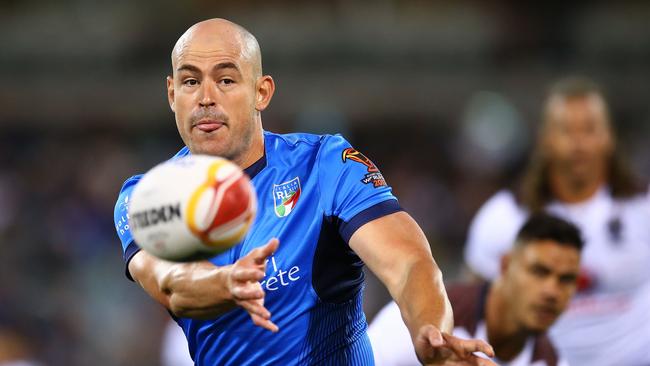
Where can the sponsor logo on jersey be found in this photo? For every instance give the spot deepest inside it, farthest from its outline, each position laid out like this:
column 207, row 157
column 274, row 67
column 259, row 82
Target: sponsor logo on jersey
column 122, row 224
column 285, row 196
column 279, row 278
column 373, row 176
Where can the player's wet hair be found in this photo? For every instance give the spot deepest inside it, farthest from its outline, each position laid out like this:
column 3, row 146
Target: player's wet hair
column 534, row 191
column 543, row 226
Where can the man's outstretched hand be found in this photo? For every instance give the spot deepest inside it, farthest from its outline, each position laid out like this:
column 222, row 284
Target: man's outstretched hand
column 245, row 288
column 434, row 347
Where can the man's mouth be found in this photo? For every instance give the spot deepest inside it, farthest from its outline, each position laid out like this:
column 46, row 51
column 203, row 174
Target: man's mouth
column 208, row 125
column 546, row 312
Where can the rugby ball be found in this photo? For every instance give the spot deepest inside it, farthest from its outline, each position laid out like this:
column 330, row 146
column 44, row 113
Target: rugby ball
column 191, row 208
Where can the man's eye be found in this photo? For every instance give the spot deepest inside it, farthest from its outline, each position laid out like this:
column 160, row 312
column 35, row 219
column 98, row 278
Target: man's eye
column 191, row 82
column 227, row 81
column 539, row 271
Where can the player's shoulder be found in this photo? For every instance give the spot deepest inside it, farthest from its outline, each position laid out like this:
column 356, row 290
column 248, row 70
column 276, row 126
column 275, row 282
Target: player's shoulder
column 464, row 288
column 303, row 140
column 468, row 301
column 500, row 207
column 500, row 214
column 545, row 350
column 326, row 148
column 185, row 151
column 133, row 180
column 464, row 296
column 503, row 200
column 130, row 182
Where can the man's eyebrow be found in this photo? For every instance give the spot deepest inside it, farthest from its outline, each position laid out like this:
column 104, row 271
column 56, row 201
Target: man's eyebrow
column 217, row 67
column 187, row 67
column 226, row 65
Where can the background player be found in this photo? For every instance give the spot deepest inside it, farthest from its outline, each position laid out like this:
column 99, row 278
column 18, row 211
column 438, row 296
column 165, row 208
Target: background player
column 576, row 172
column 536, row 281
column 217, row 92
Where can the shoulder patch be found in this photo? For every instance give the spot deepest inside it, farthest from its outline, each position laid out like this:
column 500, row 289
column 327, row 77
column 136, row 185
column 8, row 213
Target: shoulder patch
column 373, row 175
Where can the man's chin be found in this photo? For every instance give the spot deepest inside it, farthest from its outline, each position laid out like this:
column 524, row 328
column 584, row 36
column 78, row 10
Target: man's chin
column 208, row 148
column 537, row 328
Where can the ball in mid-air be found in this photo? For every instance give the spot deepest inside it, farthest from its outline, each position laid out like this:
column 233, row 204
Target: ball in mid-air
column 191, row 208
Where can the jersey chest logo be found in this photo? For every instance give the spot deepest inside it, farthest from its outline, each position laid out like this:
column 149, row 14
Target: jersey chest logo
column 285, row 196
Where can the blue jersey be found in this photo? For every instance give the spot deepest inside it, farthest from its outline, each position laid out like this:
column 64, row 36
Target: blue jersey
column 313, row 192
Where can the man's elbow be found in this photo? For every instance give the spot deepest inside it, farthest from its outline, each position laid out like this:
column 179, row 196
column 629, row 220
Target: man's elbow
column 183, row 308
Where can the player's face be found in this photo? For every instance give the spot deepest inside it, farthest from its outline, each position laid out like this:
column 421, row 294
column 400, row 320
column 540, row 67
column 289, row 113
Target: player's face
column 577, row 136
column 540, row 280
column 213, row 95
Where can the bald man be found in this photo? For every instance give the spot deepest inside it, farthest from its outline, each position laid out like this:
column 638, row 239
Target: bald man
column 328, row 204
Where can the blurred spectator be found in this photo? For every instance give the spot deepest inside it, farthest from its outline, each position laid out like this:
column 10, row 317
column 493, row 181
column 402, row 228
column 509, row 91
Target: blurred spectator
column 537, row 278
column 577, row 173
column 14, row 349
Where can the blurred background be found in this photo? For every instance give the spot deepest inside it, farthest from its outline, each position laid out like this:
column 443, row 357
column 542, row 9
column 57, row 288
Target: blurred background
column 444, row 96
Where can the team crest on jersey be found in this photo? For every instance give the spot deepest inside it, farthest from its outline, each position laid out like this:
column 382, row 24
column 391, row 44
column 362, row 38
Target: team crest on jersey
column 373, row 176
column 285, row 196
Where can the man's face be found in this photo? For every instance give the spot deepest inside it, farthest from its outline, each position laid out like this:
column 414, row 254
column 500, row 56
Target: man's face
column 213, row 94
column 539, row 279
column 577, row 137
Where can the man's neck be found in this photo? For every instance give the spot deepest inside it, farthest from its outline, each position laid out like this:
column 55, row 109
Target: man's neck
column 569, row 190
column 503, row 333
column 254, row 153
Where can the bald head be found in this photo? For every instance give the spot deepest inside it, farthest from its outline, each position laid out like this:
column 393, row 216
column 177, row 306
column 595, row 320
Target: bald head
column 215, row 34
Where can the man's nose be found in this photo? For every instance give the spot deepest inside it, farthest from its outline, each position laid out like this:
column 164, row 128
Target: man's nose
column 551, row 288
column 208, row 95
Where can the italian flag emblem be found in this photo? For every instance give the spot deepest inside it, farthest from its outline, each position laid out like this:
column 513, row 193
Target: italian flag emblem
column 285, row 196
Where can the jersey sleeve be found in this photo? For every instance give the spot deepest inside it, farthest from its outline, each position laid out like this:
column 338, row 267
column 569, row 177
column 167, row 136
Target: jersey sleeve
column 351, row 186
column 492, row 233
column 121, row 216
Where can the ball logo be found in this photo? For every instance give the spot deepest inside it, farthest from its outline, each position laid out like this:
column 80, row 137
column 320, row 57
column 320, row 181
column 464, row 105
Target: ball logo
column 192, row 208
column 156, row 216
column 285, row 196
column 224, row 187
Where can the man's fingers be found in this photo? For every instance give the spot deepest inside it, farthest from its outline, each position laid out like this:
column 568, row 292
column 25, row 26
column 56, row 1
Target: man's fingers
column 247, row 291
column 464, row 347
column 264, row 323
column 247, row 274
column 255, row 307
column 484, row 362
column 260, row 254
column 259, row 314
column 433, row 335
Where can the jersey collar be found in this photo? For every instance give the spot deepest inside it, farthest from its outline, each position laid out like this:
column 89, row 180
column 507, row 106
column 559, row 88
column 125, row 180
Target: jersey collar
column 256, row 167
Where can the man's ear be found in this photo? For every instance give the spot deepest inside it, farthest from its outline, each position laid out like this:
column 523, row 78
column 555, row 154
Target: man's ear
column 264, row 87
column 170, row 92
column 505, row 263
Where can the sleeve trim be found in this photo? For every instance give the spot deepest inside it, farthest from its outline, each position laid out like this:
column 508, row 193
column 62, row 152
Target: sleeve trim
column 130, row 251
column 381, row 209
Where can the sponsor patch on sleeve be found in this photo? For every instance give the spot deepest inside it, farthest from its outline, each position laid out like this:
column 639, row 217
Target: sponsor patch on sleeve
column 373, row 174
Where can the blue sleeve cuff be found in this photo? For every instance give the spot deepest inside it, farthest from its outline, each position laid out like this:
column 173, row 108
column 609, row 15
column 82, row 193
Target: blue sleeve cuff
column 381, row 209
column 130, row 251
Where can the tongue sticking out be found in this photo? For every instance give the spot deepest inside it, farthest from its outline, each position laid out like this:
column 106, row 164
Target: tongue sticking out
column 209, row 126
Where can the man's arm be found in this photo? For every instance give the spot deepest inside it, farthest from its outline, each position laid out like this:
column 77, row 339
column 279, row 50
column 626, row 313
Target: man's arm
column 397, row 251
column 202, row 290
